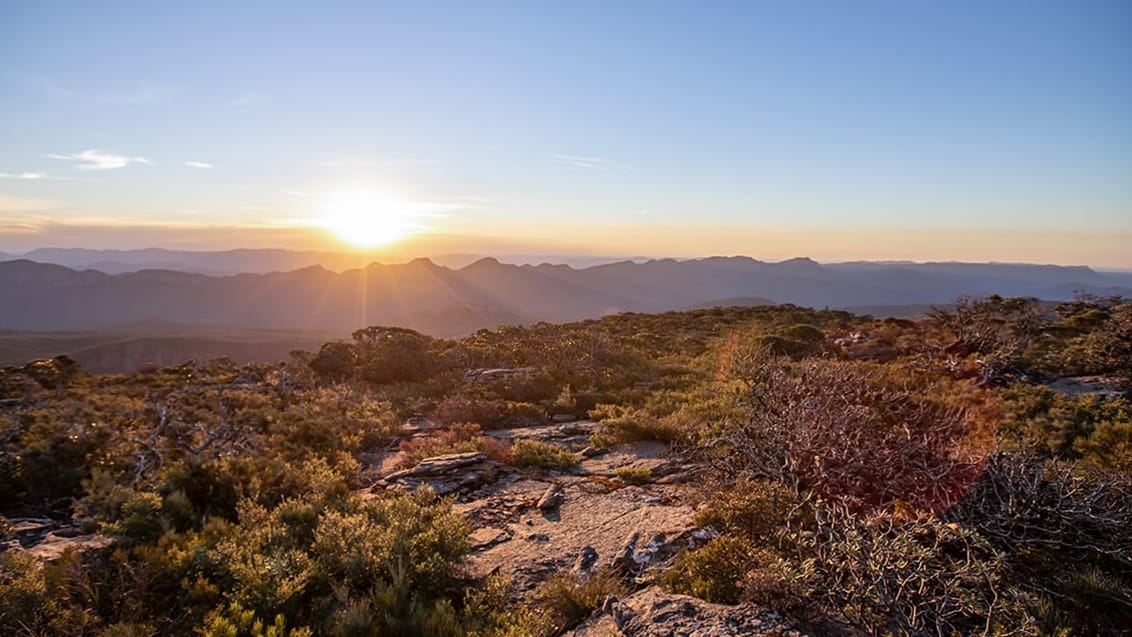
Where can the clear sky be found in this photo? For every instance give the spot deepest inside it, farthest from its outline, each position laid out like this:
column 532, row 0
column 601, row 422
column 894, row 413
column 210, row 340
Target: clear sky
column 989, row 130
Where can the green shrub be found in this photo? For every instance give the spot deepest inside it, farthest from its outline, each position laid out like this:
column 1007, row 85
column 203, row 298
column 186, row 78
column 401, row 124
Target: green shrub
column 633, row 475
column 141, row 519
column 803, row 333
column 236, row 621
column 756, row 510
column 780, row 346
column 488, row 612
column 535, row 454
column 713, row 572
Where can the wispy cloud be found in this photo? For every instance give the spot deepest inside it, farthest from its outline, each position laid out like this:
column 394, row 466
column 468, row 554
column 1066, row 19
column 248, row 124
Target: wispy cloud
column 246, row 101
column 198, row 164
column 29, row 176
column 94, row 159
column 592, row 163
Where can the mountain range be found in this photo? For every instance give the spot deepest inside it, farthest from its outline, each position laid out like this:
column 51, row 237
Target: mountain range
column 448, row 301
column 259, row 260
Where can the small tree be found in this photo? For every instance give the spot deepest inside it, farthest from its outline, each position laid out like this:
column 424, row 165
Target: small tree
column 393, row 354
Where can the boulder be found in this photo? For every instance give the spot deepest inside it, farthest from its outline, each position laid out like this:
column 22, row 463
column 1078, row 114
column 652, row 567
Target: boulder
column 587, row 559
column 552, row 498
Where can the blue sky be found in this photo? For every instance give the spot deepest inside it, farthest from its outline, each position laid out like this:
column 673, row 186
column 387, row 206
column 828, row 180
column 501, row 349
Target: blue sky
column 833, row 129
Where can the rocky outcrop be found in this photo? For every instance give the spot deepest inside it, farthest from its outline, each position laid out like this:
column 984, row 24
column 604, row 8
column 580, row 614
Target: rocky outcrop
column 572, row 434
column 459, row 473
column 54, row 546
column 588, row 529
column 654, row 613
column 489, row 375
column 530, row 525
column 49, row 539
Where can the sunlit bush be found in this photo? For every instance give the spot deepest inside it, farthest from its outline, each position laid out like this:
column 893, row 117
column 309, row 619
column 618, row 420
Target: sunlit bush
column 534, row 454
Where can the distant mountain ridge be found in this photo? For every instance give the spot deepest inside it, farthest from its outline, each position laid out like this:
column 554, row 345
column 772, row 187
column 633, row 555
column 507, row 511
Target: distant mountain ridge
column 446, row 301
column 253, row 260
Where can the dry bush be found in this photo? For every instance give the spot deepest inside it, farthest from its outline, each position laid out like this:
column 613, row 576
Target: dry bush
column 498, row 450
column 1026, row 502
column 458, row 438
column 622, row 424
column 848, row 432
column 892, row 576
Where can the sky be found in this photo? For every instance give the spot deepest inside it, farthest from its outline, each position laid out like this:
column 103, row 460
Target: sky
column 997, row 130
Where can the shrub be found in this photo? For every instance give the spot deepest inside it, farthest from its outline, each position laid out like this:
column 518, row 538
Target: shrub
column 141, row 518
column 713, row 572
column 755, row 510
column 568, row 599
column 489, row 413
column 487, row 613
column 236, row 621
column 458, row 438
column 633, row 475
column 905, row 576
column 849, row 432
column 535, row 454
column 785, row 347
column 498, row 450
column 529, row 388
column 803, row 333
column 624, row 424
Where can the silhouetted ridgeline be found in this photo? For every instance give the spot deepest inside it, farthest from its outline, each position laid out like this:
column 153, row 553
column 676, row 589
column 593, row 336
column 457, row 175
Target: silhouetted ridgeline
column 444, row 301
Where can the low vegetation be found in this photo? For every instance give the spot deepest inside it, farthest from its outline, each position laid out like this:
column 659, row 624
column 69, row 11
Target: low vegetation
column 884, row 477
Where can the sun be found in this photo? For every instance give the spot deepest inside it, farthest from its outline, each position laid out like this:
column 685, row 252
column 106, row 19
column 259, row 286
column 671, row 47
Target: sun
column 367, row 219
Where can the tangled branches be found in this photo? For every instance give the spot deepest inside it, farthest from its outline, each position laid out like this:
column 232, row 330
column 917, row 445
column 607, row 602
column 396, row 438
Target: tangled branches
column 849, row 434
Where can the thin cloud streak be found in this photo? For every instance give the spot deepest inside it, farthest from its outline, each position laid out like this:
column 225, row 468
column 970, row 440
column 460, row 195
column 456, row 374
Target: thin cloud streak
column 25, row 176
column 199, row 164
column 593, row 163
column 245, row 101
column 95, row 159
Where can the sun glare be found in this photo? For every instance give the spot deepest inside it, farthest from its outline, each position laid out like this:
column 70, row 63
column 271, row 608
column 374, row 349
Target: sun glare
column 367, row 219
